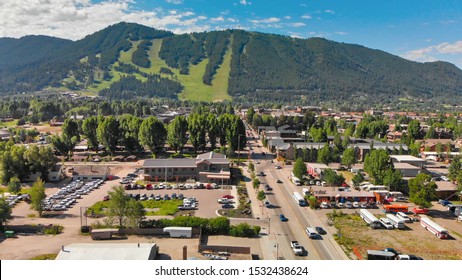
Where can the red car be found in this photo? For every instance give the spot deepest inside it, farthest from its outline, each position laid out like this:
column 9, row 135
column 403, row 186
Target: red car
column 149, row 187
column 228, row 196
column 420, row 210
column 106, row 198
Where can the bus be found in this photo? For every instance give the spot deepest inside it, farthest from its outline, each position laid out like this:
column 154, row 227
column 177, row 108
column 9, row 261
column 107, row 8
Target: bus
column 396, row 221
column 295, row 180
column 299, row 199
column 434, row 228
column 395, row 208
column 370, row 219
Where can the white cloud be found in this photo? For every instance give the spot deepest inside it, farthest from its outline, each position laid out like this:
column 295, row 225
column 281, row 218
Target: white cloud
column 341, row 33
column 447, row 22
column 266, row 20
column 74, row 19
column 232, row 19
column 298, row 24
column 245, row 2
column 217, row 19
column 329, row 11
column 444, row 51
column 287, row 17
column 307, row 16
column 175, row 2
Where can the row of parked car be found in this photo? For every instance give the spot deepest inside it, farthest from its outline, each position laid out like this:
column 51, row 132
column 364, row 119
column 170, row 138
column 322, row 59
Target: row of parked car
column 348, row 204
column 143, row 197
column 13, row 199
column 67, row 196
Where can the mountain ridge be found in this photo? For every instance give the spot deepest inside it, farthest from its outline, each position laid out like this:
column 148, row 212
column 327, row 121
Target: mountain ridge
column 261, row 65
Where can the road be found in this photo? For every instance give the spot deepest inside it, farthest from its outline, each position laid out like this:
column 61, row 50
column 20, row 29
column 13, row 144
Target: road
column 281, row 233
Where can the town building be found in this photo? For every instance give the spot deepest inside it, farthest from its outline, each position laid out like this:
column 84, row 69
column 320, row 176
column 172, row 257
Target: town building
column 209, row 167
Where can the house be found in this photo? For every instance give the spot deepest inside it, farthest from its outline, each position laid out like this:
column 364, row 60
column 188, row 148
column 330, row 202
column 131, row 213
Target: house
column 431, row 145
column 406, row 169
column 209, row 167
column 90, row 172
column 56, row 174
column 108, row 251
column 5, row 134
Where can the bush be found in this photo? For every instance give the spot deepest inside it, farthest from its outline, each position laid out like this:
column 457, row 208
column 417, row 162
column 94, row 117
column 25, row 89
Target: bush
column 53, row 230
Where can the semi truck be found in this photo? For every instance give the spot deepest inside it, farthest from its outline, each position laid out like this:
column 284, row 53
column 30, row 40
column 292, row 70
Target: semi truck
column 179, row 232
column 103, row 233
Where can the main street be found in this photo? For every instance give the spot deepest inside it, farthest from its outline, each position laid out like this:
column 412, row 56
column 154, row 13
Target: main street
column 278, row 234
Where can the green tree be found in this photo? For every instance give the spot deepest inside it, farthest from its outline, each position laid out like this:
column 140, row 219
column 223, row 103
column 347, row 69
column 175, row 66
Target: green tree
column 413, row 129
column 14, row 185
column 251, row 167
column 332, row 178
column 177, row 133
column 5, row 212
column 455, row 169
column 349, row 157
column 325, row 154
column 377, row 162
column 422, row 191
column 299, row 168
column 318, row 134
column 108, row 133
column 129, row 133
column 358, row 179
column 219, row 225
column 250, row 115
column 392, row 179
column 37, row 195
column 126, row 211
column 261, row 195
column 197, row 125
column 89, row 128
column 213, row 130
column 153, row 134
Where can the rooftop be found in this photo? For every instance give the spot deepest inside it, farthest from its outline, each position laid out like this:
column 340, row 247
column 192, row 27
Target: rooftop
column 108, row 251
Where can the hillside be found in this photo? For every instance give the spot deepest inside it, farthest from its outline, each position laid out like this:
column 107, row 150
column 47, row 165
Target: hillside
column 128, row 60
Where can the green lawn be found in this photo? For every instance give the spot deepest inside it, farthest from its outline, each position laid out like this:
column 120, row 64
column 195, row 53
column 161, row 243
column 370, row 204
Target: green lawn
column 165, row 207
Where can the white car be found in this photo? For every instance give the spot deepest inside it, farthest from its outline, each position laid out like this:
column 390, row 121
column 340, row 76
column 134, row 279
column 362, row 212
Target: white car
column 356, row 204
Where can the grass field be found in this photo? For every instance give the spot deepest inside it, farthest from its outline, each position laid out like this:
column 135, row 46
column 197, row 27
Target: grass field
column 163, row 207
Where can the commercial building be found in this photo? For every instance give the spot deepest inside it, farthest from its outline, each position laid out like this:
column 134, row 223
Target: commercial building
column 209, row 167
column 108, row 251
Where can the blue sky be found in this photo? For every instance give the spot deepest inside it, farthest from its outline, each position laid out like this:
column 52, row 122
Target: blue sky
column 421, row 30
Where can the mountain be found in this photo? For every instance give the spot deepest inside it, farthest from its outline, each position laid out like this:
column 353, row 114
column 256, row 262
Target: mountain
column 128, row 60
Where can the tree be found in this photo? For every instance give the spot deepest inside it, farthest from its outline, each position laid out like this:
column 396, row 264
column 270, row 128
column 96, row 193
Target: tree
column 129, row 133
column 197, row 125
column 153, row 134
column 392, row 179
column 376, row 164
column 349, row 157
column 332, row 178
column 251, row 167
column 358, row 179
column 89, row 127
column 5, row 212
column 422, row 190
column 108, row 133
column 318, row 134
column 413, row 129
column 213, row 130
column 300, row 169
column 37, row 195
column 256, row 183
column 325, row 154
column 455, row 168
column 177, row 133
column 219, row 225
column 121, row 207
column 261, row 195
column 14, row 185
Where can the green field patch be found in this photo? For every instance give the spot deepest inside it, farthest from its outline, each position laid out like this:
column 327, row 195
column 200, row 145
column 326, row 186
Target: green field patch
column 162, row 207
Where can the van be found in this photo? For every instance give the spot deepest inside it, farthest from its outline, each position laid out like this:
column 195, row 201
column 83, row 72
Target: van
column 404, row 217
column 312, row 233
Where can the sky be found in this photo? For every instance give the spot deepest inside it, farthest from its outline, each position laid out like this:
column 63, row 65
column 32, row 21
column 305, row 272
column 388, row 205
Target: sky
column 419, row 30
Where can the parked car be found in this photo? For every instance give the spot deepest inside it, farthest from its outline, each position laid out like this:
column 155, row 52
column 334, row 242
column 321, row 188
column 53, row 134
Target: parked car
column 268, row 188
column 420, row 210
column 227, row 206
column 106, row 198
column 278, row 181
column 283, row 218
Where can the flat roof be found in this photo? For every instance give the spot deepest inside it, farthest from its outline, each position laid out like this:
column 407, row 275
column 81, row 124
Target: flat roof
column 317, row 165
column 405, row 165
column 107, row 251
column 407, row 158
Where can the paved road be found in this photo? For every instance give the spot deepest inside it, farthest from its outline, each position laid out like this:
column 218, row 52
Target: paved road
column 279, row 234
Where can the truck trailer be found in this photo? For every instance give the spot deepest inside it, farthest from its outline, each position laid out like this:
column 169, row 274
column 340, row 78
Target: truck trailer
column 103, row 233
column 179, row 232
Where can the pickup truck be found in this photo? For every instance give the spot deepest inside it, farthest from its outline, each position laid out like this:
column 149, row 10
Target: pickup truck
column 298, row 250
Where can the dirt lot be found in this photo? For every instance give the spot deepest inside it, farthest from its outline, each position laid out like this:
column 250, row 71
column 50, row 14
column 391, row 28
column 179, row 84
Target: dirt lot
column 25, row 247
column 413, row 240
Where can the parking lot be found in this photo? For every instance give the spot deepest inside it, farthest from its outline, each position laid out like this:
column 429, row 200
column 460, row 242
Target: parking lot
column 28, row 246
